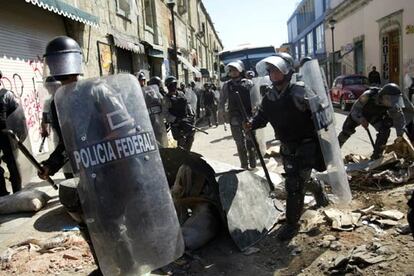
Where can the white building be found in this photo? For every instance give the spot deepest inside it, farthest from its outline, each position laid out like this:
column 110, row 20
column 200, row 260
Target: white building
column 372, row 33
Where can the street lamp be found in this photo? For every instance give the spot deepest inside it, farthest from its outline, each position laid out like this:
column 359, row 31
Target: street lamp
column 171, row 4
column 332, row 23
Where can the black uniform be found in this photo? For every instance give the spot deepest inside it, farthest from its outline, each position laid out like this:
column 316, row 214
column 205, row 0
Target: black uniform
column 374, row 77
column 8, row 104
column 181, row 117
column 210, row 103
column 381, row 117
column 289, row 115
column 245, row 147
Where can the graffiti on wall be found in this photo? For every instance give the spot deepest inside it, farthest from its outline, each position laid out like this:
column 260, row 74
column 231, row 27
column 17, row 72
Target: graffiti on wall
column 26, row 86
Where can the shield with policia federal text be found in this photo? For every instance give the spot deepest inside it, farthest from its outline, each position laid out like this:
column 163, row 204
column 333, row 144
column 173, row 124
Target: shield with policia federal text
column 123, row 188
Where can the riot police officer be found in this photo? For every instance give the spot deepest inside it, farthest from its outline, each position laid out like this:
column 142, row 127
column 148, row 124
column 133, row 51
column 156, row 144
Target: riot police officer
column 8, row 104
column 238, row 83
column 382, row 108
column 286, row 109
column 158, row 82
column 141, row 78
column 180, row 115
column 210, row 103
column 105, row 113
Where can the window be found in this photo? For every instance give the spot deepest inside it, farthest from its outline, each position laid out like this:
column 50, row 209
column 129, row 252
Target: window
column 296, row 52
column 319, row 8
column 309, row 41
column 356, row 81
column 182, row 6
column 149, row 13
column 320, row 40
column 123, row 8
column 302, row 48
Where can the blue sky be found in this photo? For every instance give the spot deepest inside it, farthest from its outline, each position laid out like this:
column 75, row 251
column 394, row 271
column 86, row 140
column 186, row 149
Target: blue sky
column 261, row 22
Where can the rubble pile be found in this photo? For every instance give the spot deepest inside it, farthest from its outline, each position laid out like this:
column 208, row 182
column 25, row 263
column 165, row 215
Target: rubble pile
column 395, row 167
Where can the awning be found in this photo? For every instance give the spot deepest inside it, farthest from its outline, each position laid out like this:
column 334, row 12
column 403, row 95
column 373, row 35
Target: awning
column 205, row 73
column 155, row 53
column 189, row 66
column 66, row 10
column 153, row 50
column 128, row 43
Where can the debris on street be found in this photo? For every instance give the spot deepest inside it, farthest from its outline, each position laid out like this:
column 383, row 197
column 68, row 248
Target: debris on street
column 23, row 201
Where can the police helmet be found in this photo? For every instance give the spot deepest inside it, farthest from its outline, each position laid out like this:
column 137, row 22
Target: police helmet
column 304, row 60
column 282, row 61
column 250, row 74
column 390, row 89
column 170, row 80
column 63, row 56
column 390, row 95
column 141, row 76
column 238, row 65
column 155, row 81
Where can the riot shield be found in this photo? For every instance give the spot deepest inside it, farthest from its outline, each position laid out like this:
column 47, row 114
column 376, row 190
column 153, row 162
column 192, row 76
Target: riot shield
column 154, row 102
column 250, row 212
column 191, row 97
column 16, row 122
column 256, row 99
column 123, row 189
column 322, row 114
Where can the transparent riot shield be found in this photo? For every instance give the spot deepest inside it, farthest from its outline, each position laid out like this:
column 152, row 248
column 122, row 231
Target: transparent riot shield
column 154, row 102
column 191, row 97
column 123, row 189
column 256, row 99
column 321, row 109
column 16, row 122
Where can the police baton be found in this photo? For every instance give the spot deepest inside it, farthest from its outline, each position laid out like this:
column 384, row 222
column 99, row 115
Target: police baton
column 370, row 138
column 28, row 155
column 42, row 144
column 255, row 144
column 194, row 127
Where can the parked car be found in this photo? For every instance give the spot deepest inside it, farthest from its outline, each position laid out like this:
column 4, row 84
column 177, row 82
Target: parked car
column 347, row 89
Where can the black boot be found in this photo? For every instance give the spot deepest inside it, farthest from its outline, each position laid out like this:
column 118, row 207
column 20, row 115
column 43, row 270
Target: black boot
column 342, row 138
column 287, row 232
column 317, row 188
column 294, row 208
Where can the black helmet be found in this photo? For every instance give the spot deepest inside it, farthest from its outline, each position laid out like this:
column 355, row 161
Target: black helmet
column 304, row 60
column 141, row 76
column 390, row 95
column 170, row 80
column 63, row 56
column 155, row 81
column 390, row 89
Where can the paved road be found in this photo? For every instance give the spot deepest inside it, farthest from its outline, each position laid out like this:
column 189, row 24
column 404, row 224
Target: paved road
column 219, row 144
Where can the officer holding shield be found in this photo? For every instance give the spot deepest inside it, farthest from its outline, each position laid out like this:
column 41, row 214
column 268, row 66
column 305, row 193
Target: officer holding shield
column 382, row 108
column 229, row 98
column 106, row 133
column 286, row 109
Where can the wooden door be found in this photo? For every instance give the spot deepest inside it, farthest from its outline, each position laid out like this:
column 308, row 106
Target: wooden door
column 394, row 57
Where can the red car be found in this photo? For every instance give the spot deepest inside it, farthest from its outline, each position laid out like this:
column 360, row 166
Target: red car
column 347, row 89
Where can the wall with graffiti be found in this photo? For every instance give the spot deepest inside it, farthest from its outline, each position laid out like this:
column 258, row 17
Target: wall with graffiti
column 25, row 79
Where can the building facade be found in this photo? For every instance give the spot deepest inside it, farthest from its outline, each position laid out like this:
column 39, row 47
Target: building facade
column 115, row 36
column 306, row 32
column 371, row 33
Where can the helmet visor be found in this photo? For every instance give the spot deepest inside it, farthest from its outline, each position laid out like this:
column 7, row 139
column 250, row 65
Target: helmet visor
column 64, row 64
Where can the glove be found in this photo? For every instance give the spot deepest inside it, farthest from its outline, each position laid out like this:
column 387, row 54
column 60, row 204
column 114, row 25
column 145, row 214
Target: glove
column 364, row 123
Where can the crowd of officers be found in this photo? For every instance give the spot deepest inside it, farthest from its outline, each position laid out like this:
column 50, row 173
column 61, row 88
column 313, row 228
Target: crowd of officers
column 284, row 105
